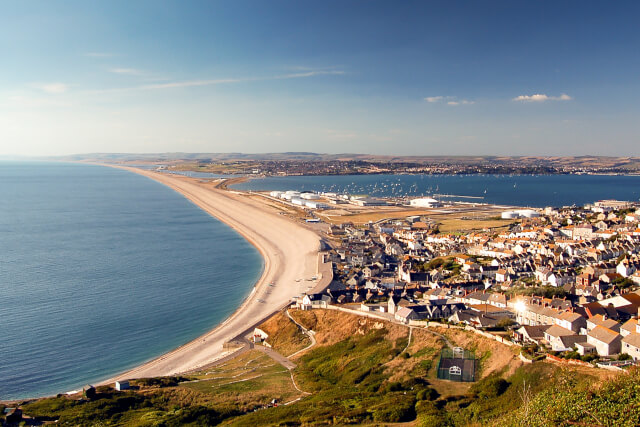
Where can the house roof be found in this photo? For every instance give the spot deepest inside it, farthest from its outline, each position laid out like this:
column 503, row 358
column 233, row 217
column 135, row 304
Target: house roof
column 404, row 312
column 486, row 308
column 558, row 331
column 630, row 325
column 632, row 339
column 569, row 316
column 603, row 334
column 534, row 332
column 570, row 340
column 599, row 320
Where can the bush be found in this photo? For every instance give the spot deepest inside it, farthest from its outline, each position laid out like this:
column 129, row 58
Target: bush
column 427, row 394
column 396, row 410
column 624, row 356
column 426, row 364
column 160, row 381
column 429, row 415
column 393, row 386
column 490, row 387
column 572, row 355
column 504, row 323
column 589, row 357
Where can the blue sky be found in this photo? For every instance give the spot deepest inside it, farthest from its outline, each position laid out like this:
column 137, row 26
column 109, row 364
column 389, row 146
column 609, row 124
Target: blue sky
column 382, row 77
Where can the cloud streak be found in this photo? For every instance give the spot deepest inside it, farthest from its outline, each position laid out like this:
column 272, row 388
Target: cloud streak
column 434, row 99
column 127, row 71
column 449, row 100
column 541, row 97
column 52, row 88
column 213, row 82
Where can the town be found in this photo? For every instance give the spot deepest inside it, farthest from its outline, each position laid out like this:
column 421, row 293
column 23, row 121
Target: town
column 294, row 164
column 558, row 282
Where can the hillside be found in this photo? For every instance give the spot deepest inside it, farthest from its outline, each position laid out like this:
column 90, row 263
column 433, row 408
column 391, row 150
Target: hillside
column 361, row 371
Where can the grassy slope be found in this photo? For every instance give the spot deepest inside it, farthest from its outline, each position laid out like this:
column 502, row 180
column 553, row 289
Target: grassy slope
column 284, row 335
column 360, row 373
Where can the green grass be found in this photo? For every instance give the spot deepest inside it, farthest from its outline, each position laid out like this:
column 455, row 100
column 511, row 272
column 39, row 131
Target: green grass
column 242, row 384
column 362, row 379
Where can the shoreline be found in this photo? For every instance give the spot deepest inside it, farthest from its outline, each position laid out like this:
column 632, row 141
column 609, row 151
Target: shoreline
column 289, row 252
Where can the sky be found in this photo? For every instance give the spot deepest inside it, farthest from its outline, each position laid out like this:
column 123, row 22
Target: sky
column 378, row 77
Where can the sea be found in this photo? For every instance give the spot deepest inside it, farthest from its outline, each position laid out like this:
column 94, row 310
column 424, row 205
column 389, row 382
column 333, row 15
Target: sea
column 510, row 190
column 101, row 270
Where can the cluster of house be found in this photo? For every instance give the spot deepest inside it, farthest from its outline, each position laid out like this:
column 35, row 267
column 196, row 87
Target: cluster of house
column 606, row 328
column 590, row 256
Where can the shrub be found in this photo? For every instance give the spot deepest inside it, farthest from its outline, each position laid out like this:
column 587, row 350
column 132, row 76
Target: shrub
column 427, row 394
column 426, row 364
column 589, row 357
column 396, row 410
column 490, row 387
column 572, row 355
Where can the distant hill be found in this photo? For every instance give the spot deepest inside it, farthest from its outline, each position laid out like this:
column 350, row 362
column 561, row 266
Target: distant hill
column 631, row 163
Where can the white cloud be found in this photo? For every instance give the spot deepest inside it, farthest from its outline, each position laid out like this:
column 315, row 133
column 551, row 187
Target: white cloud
column 211, row 82
column 192, row 83
column 307, row 74
column 541, row 97
column 450, row 100
column 433, row 99
column 52, row 88
column 128, row 71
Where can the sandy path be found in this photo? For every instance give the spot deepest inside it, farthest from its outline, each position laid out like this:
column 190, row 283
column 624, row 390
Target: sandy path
column 290, row 253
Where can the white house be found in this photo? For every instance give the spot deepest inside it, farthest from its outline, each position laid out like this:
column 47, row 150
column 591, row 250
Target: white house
column 122, row 385
column 631, row 345
column 606, row 341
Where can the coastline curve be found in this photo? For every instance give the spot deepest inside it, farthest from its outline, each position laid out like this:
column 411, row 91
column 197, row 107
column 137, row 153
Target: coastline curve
column 289, row 252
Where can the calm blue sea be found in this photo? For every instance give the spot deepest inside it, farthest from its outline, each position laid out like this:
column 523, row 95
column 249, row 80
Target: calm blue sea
column 102, row 269
column 518, row 190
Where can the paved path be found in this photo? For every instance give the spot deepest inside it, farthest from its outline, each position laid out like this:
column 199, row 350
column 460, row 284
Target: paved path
column 409, row 340
column 307, row 332
column 276, row 356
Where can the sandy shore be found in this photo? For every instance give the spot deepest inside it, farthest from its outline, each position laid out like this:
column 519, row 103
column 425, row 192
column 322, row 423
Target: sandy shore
column 290, row 254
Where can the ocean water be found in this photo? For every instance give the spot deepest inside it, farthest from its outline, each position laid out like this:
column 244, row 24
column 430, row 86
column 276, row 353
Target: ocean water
column 517, row 190
column 101, row 270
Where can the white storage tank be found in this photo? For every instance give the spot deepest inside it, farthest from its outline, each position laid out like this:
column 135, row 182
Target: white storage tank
column 315, row 205
column 309, row 196
column 276, row 194
column 509, row 215
column 297, row 201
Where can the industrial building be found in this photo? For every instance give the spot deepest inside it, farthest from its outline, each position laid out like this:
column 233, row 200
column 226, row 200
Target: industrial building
column 425, row 202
